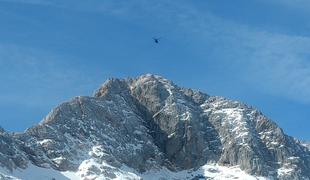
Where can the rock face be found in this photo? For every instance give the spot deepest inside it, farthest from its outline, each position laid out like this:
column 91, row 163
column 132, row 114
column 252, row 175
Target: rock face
column 148, row 123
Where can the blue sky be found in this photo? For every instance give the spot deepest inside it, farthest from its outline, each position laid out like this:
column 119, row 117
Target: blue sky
column 254, row 51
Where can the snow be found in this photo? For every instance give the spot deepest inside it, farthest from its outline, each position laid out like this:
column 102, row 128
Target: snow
column 168, row 89
column 45, row 141
column 293, row 158
column 97, row 151
column 58, row 160
column 186, row 116
column 91, row 169
column 33, row 172
column 213, row 171
column 307, row 145
column 171, row 135
column 236, row 122
column 284, row 171
column 221, row 172
column 85, row 171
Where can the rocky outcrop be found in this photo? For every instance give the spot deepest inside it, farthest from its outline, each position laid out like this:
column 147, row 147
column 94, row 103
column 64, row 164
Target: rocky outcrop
column 149, row 122
column 11, row 152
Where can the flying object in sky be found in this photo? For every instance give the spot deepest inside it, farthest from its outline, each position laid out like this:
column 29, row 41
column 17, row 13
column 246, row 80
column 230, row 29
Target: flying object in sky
column 156, row 40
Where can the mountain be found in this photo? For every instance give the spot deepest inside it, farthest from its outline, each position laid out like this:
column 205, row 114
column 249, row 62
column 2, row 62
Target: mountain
column 307, row 144
column 148, row 127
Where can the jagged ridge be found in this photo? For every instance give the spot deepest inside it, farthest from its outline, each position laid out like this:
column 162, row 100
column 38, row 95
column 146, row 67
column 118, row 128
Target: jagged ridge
column 148, row 123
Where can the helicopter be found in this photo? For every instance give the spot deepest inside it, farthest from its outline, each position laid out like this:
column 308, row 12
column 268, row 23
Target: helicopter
column 156, row 40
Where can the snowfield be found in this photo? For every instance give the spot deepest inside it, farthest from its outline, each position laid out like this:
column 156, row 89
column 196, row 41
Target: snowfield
column 210, row 171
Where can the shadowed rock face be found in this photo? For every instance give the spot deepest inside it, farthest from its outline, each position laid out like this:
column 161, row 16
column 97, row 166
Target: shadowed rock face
column 149, row 122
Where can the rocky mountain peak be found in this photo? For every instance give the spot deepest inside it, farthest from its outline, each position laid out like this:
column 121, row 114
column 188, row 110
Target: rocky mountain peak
column 2, row 130
column 146, row 124
column 112, row 85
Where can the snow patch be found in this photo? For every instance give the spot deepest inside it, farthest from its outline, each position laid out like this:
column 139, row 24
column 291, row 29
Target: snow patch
column 33, row 172
column 283, row 171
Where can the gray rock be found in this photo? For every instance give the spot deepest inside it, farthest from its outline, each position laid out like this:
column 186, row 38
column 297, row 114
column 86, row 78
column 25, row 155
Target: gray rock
column 147, row 123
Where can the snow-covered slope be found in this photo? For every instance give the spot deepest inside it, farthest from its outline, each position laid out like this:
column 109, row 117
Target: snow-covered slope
column 210, row 171
column 148, row 127
column 306, row 144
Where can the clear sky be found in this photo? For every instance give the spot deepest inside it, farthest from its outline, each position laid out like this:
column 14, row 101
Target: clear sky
column 255, row 51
